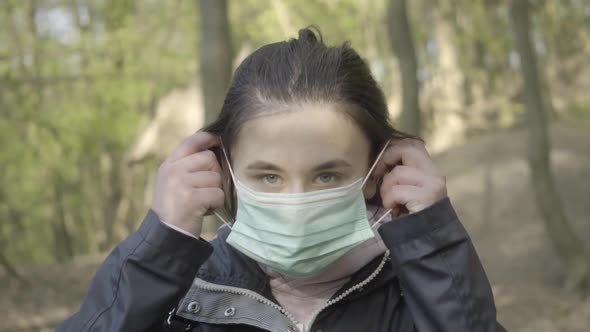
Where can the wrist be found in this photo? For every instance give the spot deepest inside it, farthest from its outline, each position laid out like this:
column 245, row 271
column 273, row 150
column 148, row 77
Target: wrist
column 178, row 229
column 190, row 228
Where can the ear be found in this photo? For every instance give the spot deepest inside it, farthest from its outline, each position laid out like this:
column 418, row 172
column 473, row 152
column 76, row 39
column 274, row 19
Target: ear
column 370, row 188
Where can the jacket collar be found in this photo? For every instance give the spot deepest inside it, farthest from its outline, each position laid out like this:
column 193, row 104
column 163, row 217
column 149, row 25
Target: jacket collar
column 229, row 267
column 231, row 282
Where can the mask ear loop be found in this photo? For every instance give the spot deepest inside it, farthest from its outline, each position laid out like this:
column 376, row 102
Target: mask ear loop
column 378, row 222
column 375, row 163
column 231, row 172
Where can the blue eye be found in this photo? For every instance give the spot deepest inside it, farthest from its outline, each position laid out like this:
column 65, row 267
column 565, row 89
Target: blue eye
column 327, row 178
column 270, row 178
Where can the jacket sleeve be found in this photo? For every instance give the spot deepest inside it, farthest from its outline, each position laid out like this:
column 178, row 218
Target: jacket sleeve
column 443, row 282
column 140, row 281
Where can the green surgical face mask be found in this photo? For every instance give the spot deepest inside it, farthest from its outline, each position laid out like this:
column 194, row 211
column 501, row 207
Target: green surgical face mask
column 300, row 234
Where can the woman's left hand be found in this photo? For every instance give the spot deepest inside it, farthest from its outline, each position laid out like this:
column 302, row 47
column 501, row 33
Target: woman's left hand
column 411, row 180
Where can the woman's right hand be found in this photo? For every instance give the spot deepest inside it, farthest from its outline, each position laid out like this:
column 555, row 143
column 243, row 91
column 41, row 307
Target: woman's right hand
column 188, row 184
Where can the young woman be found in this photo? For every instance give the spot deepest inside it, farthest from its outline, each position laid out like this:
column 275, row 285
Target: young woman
column 335, row 220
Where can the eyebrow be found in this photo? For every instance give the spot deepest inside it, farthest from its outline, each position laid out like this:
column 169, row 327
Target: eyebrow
column 265, row 166
column 336, row 163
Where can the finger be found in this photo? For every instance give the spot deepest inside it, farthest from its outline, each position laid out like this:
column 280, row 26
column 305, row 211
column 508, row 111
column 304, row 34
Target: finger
column 408, row 152
column 207, row 179
column 197, row 142
column 201, row 161
column 405, row 175
column 210, row 198
column 400, row 195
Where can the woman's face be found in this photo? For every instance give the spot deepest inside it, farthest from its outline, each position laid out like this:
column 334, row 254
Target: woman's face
column 308, row 148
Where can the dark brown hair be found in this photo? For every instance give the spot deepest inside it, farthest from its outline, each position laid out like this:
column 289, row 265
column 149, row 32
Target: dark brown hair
column 299, row 71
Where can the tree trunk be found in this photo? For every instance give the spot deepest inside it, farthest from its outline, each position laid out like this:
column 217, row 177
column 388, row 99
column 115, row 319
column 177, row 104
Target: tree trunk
column 401, row 41
column 447, row 83
column 561, row 234
column 15, row 217
column 62, row 239
column 215, row 55
column 112, row 195
column 11, row 270
column 215, row 66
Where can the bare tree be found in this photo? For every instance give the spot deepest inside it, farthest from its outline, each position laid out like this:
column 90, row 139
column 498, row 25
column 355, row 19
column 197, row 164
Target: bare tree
column 215, row 55
column 63, row 245
column 215, row 65
column 400, row 36
column 16, row 217
column 11, row 270
column 563, row 237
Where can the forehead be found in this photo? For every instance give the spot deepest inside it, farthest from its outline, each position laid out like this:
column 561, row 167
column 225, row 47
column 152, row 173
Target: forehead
column 303, row 135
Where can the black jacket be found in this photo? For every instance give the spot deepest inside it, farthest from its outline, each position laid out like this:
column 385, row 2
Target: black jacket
column 161, row 280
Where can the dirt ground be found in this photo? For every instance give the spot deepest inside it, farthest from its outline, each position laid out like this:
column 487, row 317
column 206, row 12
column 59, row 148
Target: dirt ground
column 488, row 182
column 488, row 185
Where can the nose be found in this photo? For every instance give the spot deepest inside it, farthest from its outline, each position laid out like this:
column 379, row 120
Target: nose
column 296, row 187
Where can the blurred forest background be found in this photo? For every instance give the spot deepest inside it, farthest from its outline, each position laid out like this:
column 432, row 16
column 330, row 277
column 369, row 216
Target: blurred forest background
column 95, row 93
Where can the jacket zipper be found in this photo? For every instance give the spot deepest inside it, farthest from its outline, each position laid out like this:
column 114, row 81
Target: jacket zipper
column 246, row 292
column 344, row 294
column 204, row 285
